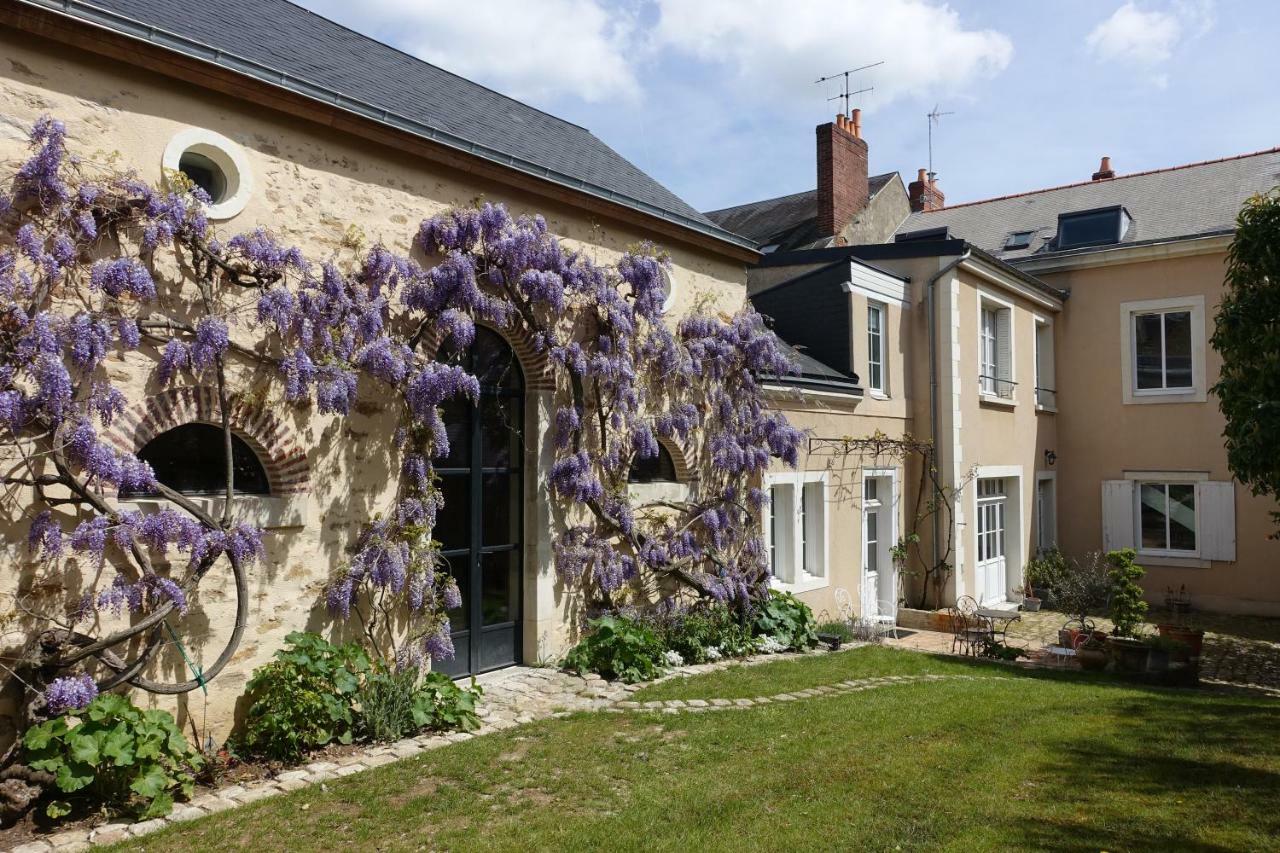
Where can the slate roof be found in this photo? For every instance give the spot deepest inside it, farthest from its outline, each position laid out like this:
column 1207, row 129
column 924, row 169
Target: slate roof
column 789, row 221
column 1197, row 199
column 285, row 45
column 816, row 375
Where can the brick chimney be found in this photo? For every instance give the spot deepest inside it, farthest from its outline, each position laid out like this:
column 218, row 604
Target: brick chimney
column 842, row 173
column 1104, row 171
column 923, row 193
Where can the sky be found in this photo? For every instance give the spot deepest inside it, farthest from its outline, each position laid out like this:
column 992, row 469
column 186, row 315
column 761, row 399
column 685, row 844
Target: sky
column 716, row 99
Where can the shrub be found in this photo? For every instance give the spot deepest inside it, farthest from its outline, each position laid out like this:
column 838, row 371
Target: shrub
column 617, row 647
column 1046, row 570
column 701, row 633
column 1083, row 587
column 788, row 620
column 117, row 754
column 397, row 704
column 1128, row 608
column 305, row 698
column 837, row 628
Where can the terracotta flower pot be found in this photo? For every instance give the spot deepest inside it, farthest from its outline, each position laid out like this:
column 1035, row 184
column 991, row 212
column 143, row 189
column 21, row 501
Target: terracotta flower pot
column 1192, row 637
column 1092, row 659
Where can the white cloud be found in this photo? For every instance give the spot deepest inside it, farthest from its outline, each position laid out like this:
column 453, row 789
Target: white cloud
column 1149, row 37
column 529, row 50
column 777, row 52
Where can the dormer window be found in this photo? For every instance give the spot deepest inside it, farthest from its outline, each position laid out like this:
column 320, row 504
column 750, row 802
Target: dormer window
column 1099, row 227
column 1018, row 240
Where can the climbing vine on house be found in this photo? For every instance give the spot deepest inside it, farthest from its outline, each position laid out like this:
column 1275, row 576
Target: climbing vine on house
column 932, row 508
column 104, row 275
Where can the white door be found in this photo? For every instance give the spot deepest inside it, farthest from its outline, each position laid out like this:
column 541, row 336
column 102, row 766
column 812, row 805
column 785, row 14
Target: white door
column 992, row 502
column 879, row 576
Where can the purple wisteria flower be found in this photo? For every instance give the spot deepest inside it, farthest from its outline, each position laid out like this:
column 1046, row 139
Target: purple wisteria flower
column 70, row 693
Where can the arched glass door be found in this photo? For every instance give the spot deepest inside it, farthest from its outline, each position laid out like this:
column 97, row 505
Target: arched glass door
column 480, row 526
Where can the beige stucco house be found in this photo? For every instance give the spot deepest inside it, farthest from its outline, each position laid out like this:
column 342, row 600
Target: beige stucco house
column 1053, row 345
column 309, row 129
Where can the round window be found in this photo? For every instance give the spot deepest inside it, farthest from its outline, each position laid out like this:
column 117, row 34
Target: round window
column 668, row 289
column 216, row 165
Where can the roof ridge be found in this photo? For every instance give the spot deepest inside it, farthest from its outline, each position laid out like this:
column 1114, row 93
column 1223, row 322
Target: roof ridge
column 757, row 201
column 439, row 68
column 888, row 174
column 1108, row 180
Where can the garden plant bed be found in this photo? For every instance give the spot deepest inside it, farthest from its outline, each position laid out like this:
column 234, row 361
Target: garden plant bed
column 1137, row 768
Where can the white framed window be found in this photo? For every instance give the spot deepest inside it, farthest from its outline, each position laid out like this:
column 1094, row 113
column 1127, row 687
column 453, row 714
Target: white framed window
column 995, row 349
column 1179, row 518
column 1166, row 517
column 668, row 289
column 796, row 529
column 1046, row 392
column 1163, row 350
column 215, row 164
column 876, row 347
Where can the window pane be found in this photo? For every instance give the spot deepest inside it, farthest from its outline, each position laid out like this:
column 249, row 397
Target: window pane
column 873, row 544
column 498, row 599
column 453, row 522
column 1182, row 516
column 1177, row 349
column 500, row 522
column 191, row 459
column 1152, row 500
column 456, row 412
column 775, row 533
column 1146, row 337
column 460, row 568
column 869, row 489
column 500, row 432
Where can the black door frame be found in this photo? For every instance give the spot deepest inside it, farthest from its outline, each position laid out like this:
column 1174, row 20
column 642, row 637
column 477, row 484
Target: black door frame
column 476, row 549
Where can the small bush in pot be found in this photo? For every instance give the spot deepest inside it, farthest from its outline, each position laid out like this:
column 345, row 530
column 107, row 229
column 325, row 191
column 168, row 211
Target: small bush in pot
column 1044, row 573
column 1128, row 609
column 1083, row 589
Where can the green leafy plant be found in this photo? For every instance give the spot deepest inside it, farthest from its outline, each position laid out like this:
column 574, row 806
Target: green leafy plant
column 997, row 650
column 305, row 698
column 837, row 628
column 397, row 704
column 1245, row 335
column 702, row 633
column 1046, row 570
column 1128, row 608
column 618, row 648
column 116, row 754
column 1083, row 588
column 788, row 620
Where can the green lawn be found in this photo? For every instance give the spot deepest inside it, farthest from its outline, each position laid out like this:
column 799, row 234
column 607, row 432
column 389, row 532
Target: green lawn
column 1030, row 762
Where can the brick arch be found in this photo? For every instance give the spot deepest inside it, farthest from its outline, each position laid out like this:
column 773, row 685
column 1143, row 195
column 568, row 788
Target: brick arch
column 685, row 472
column 283, row 459
column 535, row 364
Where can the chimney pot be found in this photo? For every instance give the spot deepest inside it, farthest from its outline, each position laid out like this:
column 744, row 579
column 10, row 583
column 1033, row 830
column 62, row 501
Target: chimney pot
column 857, row 123
column 1104, row 170
column 923, row 193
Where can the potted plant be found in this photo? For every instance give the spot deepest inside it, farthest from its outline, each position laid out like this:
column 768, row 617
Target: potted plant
column 1128, row 608
column 1043, row 573
column 1030, row 601
column 1081, row 590
column 1166, row 654
column 1179, row 604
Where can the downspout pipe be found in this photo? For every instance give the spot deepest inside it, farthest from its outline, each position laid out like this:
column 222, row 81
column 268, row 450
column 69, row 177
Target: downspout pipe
column 931, row 304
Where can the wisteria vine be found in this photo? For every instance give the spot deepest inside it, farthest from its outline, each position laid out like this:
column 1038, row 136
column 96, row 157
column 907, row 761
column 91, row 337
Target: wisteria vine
column 97, row 265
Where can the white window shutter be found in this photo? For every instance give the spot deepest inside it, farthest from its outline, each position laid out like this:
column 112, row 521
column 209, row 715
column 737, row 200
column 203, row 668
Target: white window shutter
column 1217, row 519
column 1117, row 514
column 1004, row 358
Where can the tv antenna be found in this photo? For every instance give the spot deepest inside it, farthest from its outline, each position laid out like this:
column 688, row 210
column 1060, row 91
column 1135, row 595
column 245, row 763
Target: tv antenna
column 934, row 116
column 845, row 94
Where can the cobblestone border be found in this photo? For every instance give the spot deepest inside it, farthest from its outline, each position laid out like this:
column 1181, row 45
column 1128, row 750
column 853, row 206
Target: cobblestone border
column 675, row 706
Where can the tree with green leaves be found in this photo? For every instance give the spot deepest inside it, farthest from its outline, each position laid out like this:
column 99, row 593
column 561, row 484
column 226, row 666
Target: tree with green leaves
column 1247, row 336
